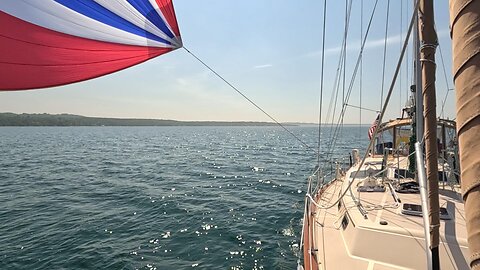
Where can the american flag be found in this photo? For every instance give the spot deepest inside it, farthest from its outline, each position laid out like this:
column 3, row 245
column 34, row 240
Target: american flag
column 372, row 128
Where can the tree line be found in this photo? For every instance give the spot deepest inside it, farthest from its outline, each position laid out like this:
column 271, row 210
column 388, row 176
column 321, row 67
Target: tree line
column 44, row 119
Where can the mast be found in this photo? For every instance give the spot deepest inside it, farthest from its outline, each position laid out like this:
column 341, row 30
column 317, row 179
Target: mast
column 428, row 42
column 417, row 74
column 465, row 33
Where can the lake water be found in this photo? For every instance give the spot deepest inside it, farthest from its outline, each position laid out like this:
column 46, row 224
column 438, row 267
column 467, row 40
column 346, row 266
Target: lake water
column 155, row 197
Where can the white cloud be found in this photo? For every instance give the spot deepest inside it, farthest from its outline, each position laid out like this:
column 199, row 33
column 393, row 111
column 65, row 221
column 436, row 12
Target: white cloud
column 263, row 66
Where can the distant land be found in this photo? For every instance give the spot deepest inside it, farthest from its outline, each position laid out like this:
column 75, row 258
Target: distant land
column 43, row 119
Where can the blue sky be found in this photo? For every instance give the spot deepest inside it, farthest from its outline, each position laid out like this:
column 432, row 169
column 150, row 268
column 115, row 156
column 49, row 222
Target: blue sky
column 269, row 49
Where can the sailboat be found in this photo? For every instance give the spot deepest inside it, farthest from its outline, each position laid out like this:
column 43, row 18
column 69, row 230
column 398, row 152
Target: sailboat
column 378, row 213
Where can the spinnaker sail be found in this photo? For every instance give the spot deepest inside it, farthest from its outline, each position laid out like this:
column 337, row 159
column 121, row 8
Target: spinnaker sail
column 45, row 43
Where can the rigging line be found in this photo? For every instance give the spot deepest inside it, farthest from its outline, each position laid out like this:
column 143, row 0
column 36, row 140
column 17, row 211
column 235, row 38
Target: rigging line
column 446, row 82
column 399, row 63
column 336, row 85
column 321, row 82
column 338, row 79
column 348, row 10
column 345, row 49
column 385, row 53
column 249, row 100
column 330, row 105
column 360, row 55
column 335, row 94
column 445, row 101
column 338, row 76
column 336, row 88
column 361, row 71
column 400, row 43
column 407, row 59
column 359, row 107
column 391, row 86
column 339, row 73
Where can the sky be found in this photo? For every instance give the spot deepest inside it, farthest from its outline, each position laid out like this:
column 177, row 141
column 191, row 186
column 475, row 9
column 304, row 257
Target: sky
column 271, row 51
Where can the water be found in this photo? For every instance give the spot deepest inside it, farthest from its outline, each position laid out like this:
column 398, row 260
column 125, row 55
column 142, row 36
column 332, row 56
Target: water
column 154, row 197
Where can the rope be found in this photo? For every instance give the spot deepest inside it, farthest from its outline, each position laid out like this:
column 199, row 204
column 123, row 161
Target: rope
column 249, row 100
column 444, row 101
column 336, row 86
column 340, row 68
column 321, row 82
column 400, row 43
column 359, row 107
column 314, row 202
column 333, row 135
column 446, row 82
column 385, row 52
column 361, row 71
column 347, row 24
column 339, row 65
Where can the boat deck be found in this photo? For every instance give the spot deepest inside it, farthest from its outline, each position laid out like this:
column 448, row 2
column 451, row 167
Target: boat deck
column 378, row 235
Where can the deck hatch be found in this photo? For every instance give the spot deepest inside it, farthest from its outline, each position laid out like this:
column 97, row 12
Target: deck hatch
column 377, row 188
column 416, row 210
